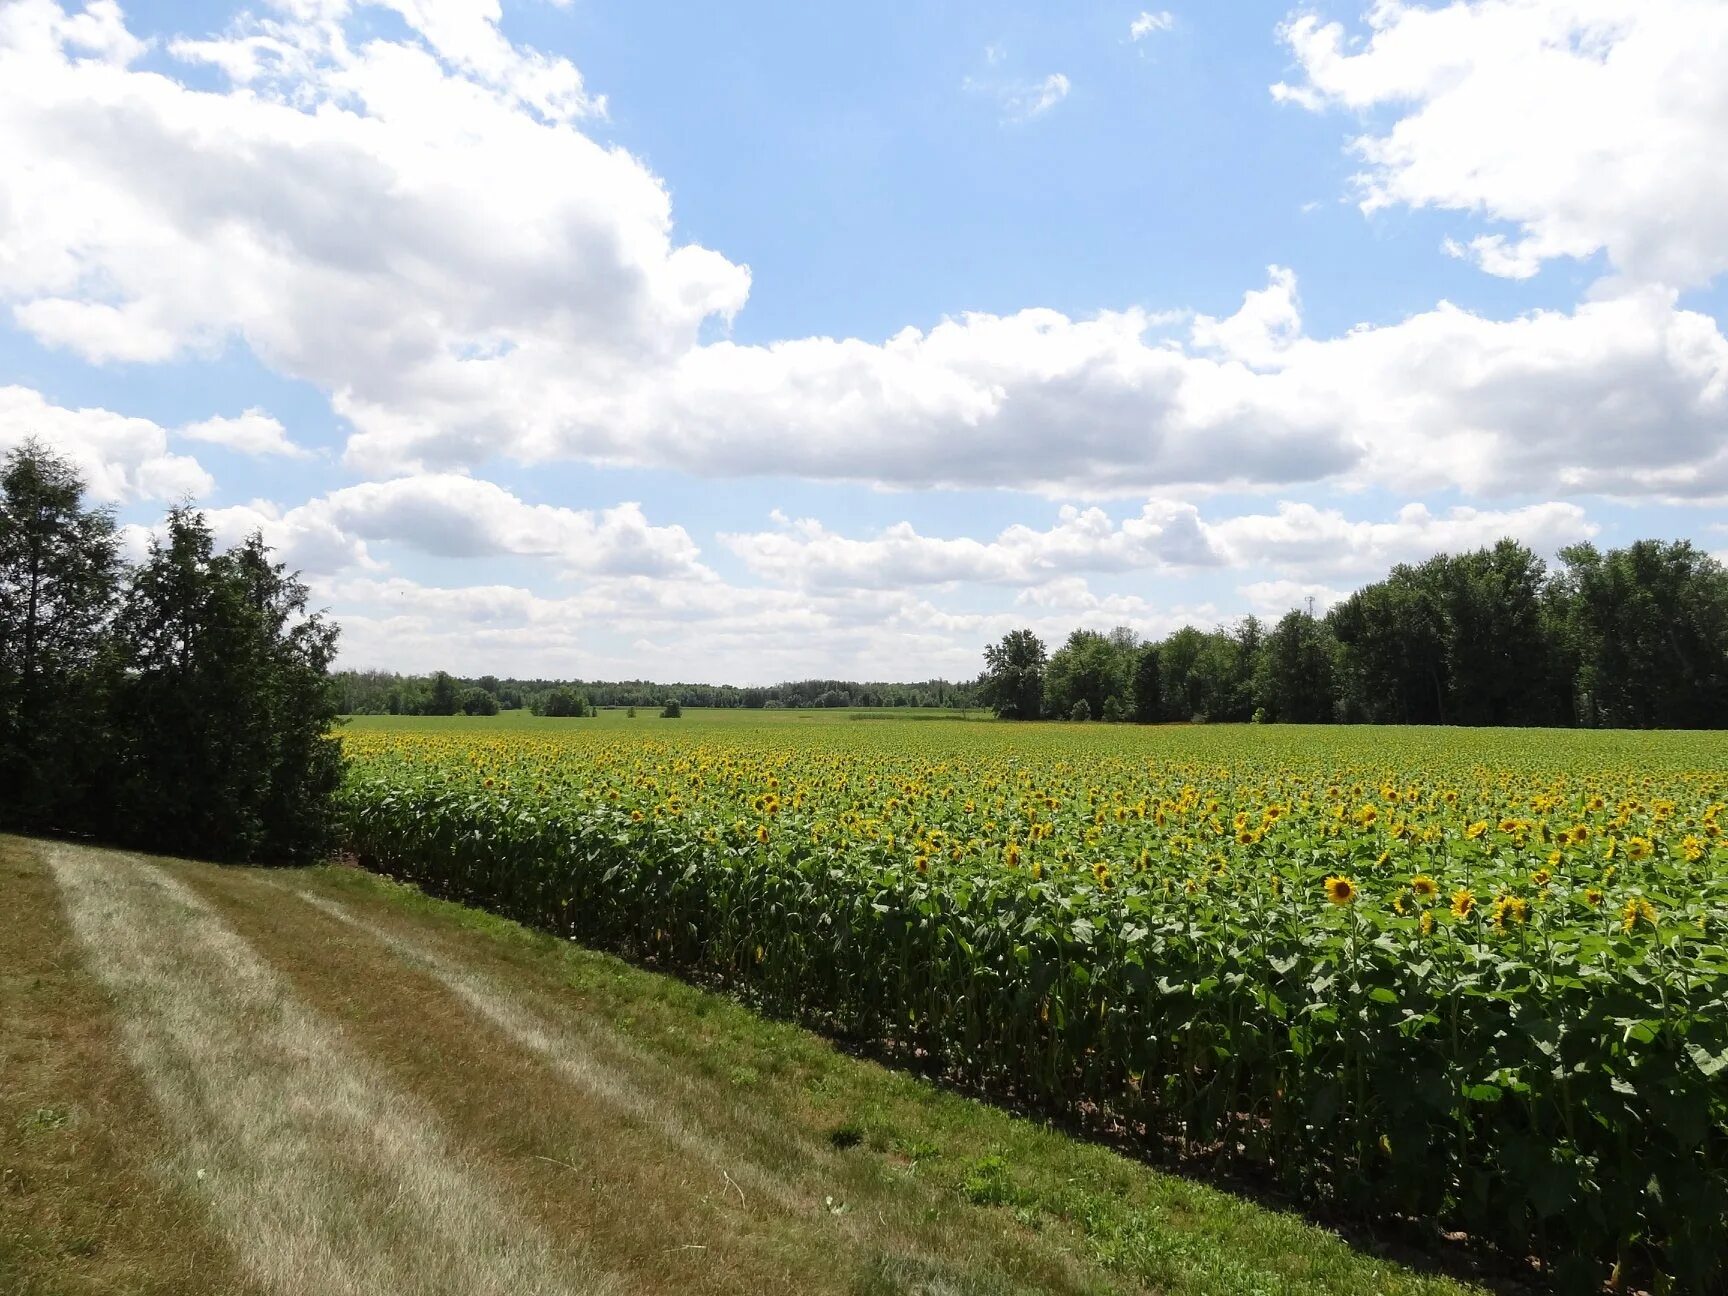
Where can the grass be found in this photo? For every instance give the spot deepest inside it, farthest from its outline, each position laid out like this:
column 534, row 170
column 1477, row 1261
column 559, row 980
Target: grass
column 648, row 720
column 392, row 1093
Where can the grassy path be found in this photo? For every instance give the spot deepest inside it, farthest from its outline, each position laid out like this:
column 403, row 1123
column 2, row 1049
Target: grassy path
column 240, row 1081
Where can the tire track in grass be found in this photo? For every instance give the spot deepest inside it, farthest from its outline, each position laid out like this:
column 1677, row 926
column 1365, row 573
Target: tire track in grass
column 572, row 1062
column 614, row 1071
column 324, row 1178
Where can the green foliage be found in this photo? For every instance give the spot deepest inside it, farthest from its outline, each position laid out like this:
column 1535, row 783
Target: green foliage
column 671, row 711
column 1293, row 679
column 1649, row 627
column 1146, row 694
column 477, row 702
column 1013, row 681
column 1146, row 928
column 223, row 706
column 562, row 703
column 1091, row 668
column 59, row 578
column 182, row 706
column 1636, row 638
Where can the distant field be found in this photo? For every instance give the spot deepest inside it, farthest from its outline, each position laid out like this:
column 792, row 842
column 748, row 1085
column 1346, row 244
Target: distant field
column 1466, row 977
column 695, row 717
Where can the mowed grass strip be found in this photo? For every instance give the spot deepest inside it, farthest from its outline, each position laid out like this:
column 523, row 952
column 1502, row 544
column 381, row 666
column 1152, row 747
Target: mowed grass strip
column 85, row 1207
column 931, row 1182
column 321, row 1176
column 684, row 1183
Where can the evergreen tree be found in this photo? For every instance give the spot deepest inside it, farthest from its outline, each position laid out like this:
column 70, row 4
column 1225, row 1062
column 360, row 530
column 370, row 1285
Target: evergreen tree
column 224, row 709
column 59, row 572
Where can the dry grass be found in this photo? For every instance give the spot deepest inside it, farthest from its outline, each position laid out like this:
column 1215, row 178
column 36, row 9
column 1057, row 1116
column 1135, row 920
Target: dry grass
column 688, row 1182
column 322, row 1177
column 84, row 1207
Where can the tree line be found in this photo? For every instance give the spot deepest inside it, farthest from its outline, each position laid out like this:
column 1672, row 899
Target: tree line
column 180, row 704
column 1628, row 638
column 376, row 692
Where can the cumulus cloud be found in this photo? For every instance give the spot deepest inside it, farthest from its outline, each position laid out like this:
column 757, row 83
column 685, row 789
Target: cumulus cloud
column 122, row 459
column 1587, row 125
column 638, row 628
column 1166, row 536
column 340, row 208
column 1271, row 599
column 253, row 432
column 452, row 516
column 419, row 227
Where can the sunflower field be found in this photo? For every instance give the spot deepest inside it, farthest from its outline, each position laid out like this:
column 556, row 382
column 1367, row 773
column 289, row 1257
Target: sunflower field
column 1472, row 981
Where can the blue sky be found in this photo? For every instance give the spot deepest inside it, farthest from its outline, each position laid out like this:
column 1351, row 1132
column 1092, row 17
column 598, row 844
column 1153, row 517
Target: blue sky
column 574, row 337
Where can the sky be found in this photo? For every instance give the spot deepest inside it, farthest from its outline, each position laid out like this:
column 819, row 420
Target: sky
column 760, row 341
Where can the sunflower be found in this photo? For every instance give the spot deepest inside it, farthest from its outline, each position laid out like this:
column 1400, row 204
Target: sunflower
column 1639, row 848
column 1592, row 896
column 1424, row 887
column 1340, row 890
column 1637, row 910
column 1541, row 877
column 1463, row 904
column 1427, row 923
column 1476, row 829
column 1510, row 910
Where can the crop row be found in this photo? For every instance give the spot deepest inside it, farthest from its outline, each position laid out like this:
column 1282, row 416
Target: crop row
column 1487, row 997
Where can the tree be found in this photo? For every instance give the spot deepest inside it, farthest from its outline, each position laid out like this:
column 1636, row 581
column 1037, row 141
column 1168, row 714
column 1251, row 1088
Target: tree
column 1013, row 680
column 672, row 710
column 1649, row 624
column 1146, row 699
column 444, row 700
column 561, row 703
column 1092, row 668
column 1392, row 651
column 59, row 572
column 1498, row 642
column 224, row 707
column 1293, row 679
column 478, row 702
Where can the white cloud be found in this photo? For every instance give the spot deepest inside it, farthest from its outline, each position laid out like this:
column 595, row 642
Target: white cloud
column 1021, row 101
column 1271, row 599
column 1263, row 330
column 253, row 432
column 122, row 459
column 1626, row 396
column 1166, row 536
column 385, row 208
column 1149, row 22
column 1587, row 125
column 419, row 228
column 452, row 516
column 640, row 628
column 1304, row 538
column 1026, row 102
